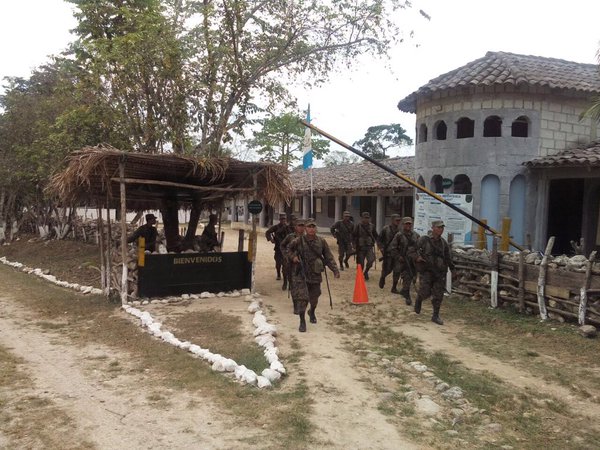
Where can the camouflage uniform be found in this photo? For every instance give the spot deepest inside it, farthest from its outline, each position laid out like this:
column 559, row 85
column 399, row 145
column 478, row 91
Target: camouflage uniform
column 314, row 255
column 287, row 262
column 385, row 239
column 276, row 234
column 404, row 253
column 365, row 238
column 434, row 260
column 342, row 231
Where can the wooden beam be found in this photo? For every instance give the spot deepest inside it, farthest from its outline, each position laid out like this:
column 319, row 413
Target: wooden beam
column 123, row 232
column 180, row 185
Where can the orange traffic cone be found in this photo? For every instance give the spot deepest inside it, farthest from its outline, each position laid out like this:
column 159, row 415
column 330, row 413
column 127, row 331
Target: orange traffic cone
column 360, row 289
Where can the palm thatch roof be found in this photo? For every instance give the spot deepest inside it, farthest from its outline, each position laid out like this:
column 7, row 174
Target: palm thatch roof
column 92, row 177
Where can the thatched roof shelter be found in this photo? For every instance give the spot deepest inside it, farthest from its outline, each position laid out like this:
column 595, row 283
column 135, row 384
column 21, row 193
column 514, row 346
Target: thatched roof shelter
column 92, row 177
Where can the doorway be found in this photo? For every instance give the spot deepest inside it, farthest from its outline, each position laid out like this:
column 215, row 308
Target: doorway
column 565, row 211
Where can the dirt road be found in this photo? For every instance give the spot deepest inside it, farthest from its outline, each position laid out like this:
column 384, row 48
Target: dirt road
column 349, row 388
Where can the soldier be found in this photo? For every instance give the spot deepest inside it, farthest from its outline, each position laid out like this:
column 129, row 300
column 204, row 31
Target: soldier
column 434, row 258
column 287, row 259
column 148, row 232
column 385, row 239
column 342, row 232
column 404, row 254
column 310, row 254
column 365, row 238
column 276, row 234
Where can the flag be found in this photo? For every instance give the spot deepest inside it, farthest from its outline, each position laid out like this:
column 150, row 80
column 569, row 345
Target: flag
column 306, row 147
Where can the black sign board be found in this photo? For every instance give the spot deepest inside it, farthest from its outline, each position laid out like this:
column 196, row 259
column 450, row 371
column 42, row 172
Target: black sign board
column 254, row 207
column 192, row 273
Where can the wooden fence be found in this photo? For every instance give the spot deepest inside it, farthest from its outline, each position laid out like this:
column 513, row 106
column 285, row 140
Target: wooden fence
column 560, row 288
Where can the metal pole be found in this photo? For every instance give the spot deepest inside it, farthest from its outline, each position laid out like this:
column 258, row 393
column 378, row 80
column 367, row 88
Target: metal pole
column 407, row 180
column 123, row 232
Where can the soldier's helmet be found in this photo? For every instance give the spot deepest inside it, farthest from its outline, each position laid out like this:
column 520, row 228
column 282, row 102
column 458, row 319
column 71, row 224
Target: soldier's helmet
column 407, row 220
column 438, row 223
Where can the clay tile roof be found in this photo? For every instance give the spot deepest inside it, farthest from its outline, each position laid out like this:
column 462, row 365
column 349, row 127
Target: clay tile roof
column 510, row 68
column 352, row 177
column 583, row 156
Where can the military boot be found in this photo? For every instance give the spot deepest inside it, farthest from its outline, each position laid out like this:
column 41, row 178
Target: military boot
column 341, row 265
column 406, row 295
column 302, row 327
column 366, row 274
column 312, row 316
column 381, row 282
column 395, row 285
column 346, row 263
column 418, row 302
column 285, row 283
column 435, row 318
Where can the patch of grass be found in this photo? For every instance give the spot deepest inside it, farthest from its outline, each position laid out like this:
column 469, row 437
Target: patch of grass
column 283, row 412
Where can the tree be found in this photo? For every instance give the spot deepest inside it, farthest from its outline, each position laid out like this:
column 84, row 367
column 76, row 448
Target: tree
column 251, row 49
column 136, row 59
column 45, row 117
column 280, row 140
column 340, row 157
column 380, row 138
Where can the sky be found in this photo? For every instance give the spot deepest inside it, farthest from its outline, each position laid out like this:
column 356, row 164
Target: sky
column 459, row 31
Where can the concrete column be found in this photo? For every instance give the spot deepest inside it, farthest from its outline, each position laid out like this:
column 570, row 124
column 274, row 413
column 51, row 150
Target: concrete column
column 380, row 213
column 338, row 208
column 541, row 214
column 305, row 206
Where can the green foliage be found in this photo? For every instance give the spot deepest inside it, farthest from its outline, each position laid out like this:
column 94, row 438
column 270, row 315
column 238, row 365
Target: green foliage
column 380, row 138
column 136, row 60
column 280, row 140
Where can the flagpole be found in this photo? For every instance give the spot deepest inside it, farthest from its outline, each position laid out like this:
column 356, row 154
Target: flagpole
column 311, row 192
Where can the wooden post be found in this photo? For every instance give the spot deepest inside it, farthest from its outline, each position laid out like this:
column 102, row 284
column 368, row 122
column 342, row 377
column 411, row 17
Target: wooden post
column 505, row 242
column 123, row 232
column 481, row 241
column 100, row 227
column 583, row 296
column 108, row 250
column 541, row 287
column 494, row 273
column 254, row 243
column 240, row 240
column 449, row 273
column 521, row 282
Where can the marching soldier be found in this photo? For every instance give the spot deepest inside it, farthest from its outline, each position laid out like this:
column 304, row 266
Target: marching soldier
column 276, row 234
column 385, row 239
column 434, row 258
column 287, row 259
column 342, row 232
column 404, row 253
column 310, row 254
column 365, row 238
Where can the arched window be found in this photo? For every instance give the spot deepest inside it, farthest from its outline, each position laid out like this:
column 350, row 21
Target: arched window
column 462, row 184
column 437, row 184
column 421, row 180
column 465, row 128
column 492, row 127
column 520, row 127
column 422, row 133
column 439, row 130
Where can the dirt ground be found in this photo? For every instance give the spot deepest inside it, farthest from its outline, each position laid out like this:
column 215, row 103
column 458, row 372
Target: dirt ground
column 357, row 382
